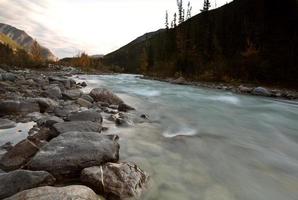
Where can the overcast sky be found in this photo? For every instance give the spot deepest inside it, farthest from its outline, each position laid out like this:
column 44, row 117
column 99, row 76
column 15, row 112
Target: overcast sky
column 68, row 27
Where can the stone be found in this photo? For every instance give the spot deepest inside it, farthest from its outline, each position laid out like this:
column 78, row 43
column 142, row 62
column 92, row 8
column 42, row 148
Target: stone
column 116, row 180
column 20, row 180
column 121, row 119
column 260, row 91
column 81, row 126
column 49, row 121
column 9, row 77
column 66, row 110
column 53, row 92
column 124, row 108
column 7, row 146
column 12, row 107
column 84, row 103
column 46, row 104
column 73, row 192
column 88, row 115
column 66, row 155
column 87, row 98
column 18, row 156
column 6, row 124
column 106, row 96
column 72, row 94
column 84, row 84
column 244, row 89
column 180, row 81
column 66, row 82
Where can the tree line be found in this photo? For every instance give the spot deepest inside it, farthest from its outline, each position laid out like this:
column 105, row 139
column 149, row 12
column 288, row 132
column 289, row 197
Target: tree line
column 183, row 14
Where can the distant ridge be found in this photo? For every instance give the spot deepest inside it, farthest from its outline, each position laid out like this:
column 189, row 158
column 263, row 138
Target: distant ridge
column 24, row 40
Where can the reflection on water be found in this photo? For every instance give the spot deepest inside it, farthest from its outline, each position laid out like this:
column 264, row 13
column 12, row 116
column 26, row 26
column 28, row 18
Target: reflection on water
column 209, row 144
column 17, row 134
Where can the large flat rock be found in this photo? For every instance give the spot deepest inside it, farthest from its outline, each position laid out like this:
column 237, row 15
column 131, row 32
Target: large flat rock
column 69, row 153
column 80, row 126
column 74, row 192
column 106, row 96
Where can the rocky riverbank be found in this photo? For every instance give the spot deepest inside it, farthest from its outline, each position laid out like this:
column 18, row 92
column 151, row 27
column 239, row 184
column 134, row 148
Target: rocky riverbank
column 67, row 154
column 246, row 89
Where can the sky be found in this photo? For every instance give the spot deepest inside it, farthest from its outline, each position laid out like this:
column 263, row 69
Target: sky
column 68, row 27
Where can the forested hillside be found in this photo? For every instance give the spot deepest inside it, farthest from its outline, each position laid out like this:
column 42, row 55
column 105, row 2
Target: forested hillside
column 246, row 40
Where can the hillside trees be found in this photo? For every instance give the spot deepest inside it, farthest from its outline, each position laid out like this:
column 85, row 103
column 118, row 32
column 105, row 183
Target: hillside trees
column 206, row 6
column 36, row 52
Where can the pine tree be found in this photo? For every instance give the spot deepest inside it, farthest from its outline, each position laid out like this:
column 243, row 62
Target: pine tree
column 175, row 20
column 206, row 6
column 167, row 20
column 180, row 11
column 189, row 9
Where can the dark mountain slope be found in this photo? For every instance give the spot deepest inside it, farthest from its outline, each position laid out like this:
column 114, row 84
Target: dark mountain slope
column 246, row 40
column 24, row 40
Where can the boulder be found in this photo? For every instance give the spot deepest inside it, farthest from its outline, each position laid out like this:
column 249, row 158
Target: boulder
column 84, row 103
column 73, row 192
column 116, row 180
column 72, row 94
column 66, row 110
column 106, row 96
column 260, row 91
column 88, row 115
column 53, row 92
column 17, row 181
column 243, row 89
column 46, row 104
column 49, row 121
column 87, row 98
column 121, row 119
column 6, row 124
column 81, row 126
column 180, row 81
column 66, row 82
column 124, row 107
column 66, row 155
column 9, row 77
column 18, row 155
column 12, row 107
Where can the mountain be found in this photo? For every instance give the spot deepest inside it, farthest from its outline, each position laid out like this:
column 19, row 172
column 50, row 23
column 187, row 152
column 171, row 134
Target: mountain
column 245, row 40
column 24, row 40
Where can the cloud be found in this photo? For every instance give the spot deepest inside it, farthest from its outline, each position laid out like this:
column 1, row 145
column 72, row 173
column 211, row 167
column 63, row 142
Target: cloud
column 96, row 26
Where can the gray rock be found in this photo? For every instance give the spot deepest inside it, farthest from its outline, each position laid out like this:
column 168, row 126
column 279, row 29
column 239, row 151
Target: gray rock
column 9, row 77
column 180, row 81
column 66, row 110
column 106, row 96
column 66, row 155
column 49, row 121
column 72, row 94
column 53, row 92
column 88, row 115
column 87, row 98
column 121, row 119
column 81, row 126
column 20, row 180
column 6, row 123
column 74, row 192
column 261, row 91
column 125, row 108
column 11, row 107
column 66, row 82
column 84, row 103
column 46, row 104
column 116, row 180
column 244, row 89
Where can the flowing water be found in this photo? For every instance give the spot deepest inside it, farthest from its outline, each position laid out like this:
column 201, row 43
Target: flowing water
column 208, row 144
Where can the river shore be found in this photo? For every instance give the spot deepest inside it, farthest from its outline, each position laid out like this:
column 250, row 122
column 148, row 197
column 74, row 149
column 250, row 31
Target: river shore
column 245, row 89
column 64, row 143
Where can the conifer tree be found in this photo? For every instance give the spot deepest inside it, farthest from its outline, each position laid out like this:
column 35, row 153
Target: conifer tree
column 175, row 20
column 189, row 9
column 206, row 6
column 167, row 20
column 180, row 11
